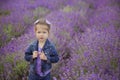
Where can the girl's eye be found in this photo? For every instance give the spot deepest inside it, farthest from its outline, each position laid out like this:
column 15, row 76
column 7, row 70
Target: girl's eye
column 44, row 32
column 39, row 32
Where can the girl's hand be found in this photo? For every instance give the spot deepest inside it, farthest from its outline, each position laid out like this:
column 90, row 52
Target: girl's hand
column 42, row 56
column 35, row 53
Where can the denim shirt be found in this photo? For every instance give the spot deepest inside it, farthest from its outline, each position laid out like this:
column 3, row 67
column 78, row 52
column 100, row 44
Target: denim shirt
column 50, row 52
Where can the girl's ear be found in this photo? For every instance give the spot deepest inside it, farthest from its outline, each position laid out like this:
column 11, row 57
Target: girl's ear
column 49, row 33
column 34, row 29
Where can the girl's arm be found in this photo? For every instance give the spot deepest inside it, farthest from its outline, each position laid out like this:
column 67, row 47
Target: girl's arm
column 53, row 58
column 28, row 55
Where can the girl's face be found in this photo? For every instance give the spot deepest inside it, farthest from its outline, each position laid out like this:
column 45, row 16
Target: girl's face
column 41, row 32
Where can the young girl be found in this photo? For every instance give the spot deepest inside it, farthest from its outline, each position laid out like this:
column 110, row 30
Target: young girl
column 41, row 53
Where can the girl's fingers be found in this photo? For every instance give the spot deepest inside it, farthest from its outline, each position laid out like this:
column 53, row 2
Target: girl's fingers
column 42, row 52
column 35, row 52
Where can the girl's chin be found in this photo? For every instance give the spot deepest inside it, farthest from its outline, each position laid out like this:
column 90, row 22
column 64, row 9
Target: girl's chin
column 41, row 40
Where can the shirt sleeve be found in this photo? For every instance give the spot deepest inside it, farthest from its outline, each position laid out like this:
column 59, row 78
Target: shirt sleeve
column 28, row 54
column 53, row 58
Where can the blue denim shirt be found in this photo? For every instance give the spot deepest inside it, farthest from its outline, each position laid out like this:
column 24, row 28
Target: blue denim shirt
column 50, row 52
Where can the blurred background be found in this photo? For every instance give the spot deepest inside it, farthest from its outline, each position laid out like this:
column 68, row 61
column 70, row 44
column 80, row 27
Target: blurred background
column 86, row 34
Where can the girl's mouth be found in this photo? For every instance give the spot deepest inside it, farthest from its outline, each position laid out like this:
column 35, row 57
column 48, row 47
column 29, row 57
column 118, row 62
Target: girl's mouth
column 41, row 38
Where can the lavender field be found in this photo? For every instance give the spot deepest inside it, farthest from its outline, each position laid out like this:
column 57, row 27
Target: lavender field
column 86, row 34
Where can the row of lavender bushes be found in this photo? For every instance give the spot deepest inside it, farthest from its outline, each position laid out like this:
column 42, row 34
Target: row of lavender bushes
column 13, row 67
column 88, row 43
column 86, row 34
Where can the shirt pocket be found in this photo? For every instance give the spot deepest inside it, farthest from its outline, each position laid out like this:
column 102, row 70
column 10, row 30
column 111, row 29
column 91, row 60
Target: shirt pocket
column 47, row 52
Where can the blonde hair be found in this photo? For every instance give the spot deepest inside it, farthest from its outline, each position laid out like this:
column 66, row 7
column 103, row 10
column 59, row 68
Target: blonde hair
column 42, row 21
